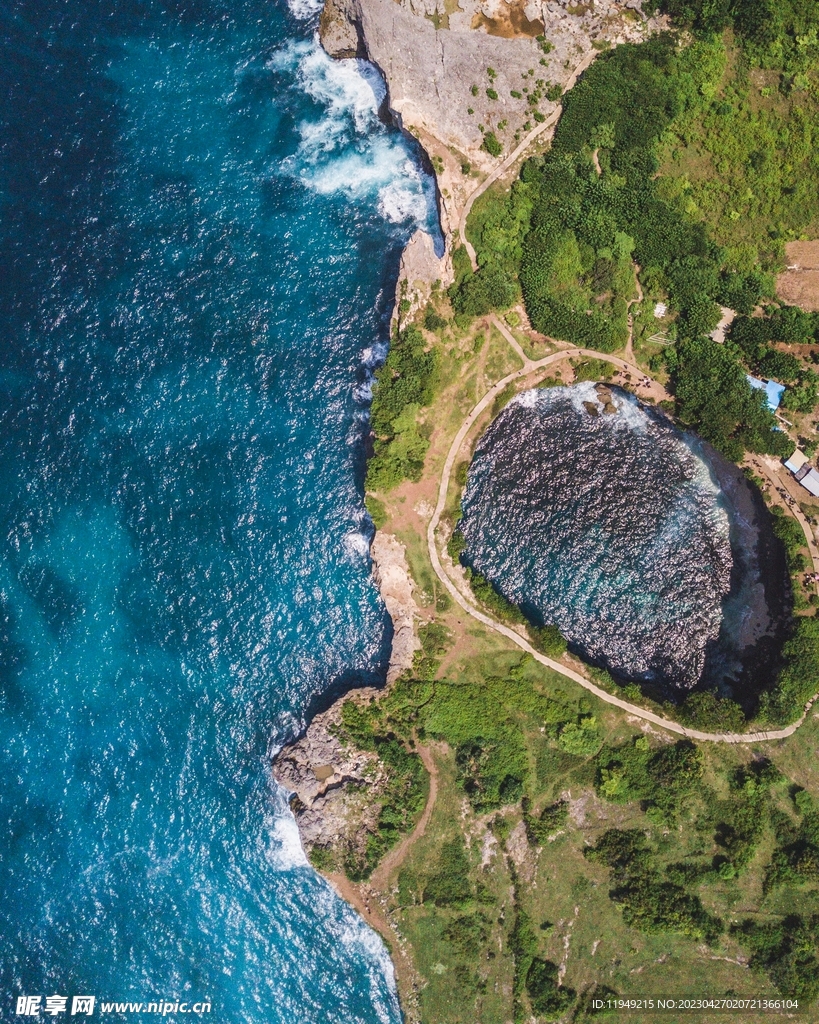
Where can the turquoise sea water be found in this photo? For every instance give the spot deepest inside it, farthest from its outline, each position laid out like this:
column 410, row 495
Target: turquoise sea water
column 201, row 222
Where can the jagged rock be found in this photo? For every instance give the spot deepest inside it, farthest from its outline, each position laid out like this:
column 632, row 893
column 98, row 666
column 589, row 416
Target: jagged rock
column 392, row 577
column 332, row 783
column 420, row 268
column 431, row 58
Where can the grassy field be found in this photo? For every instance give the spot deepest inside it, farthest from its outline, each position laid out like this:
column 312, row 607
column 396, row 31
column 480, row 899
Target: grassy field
column 465, row 946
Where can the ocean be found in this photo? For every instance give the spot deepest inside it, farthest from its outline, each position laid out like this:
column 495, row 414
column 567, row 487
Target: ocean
column 202, row 218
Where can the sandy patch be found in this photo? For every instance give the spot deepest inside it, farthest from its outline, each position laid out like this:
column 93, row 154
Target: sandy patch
column 799, row 284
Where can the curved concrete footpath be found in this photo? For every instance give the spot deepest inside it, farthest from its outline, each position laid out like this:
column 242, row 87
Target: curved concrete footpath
column 556, row 666
column 517, row 152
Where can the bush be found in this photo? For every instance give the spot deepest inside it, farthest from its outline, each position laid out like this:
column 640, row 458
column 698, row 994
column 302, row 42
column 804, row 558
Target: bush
column 551, row 820
column 650, row 903
column 709, row 713
column 491, row 144
column 449, row 884
column 492, row 771
column 549, row 1000
column 377, row 510
column 660, row 779
column 407, row 381
column 548, row 640
column 786, row 951
column 489, row 288
column 433, row 321
column 492, row 600
column 798, row 679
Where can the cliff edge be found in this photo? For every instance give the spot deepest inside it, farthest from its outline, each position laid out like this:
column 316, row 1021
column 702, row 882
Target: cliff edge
column 458, row 68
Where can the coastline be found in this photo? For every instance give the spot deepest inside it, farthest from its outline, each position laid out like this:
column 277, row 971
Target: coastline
column 420, row 268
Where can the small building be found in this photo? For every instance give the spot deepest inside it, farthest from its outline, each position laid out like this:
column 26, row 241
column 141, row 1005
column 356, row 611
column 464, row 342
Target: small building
column 773, row 391
column 810, row 481
column 660, row 310
column 726, row 319
column 796, row 461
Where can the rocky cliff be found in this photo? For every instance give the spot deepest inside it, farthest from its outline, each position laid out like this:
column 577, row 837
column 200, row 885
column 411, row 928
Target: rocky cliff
column 455, row 67
column 336, row 787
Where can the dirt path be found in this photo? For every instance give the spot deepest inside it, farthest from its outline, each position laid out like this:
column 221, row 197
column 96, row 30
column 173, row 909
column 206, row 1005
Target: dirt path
column 556, row 666
column 370, row 898
column 390, row 865
column 629, row 352
column 517, row 152
column 366, row 901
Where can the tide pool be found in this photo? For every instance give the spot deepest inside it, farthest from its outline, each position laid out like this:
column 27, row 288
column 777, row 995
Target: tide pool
column 202, row 218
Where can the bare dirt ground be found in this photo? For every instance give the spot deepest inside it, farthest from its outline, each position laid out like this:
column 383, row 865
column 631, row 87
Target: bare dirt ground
column 370, row 898
column 799, row 284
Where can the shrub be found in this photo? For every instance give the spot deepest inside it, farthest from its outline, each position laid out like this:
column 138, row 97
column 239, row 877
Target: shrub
column 551, row 820
column 491, row 144
column 786, row 951
column 548, row 640
column 433, row 321
column 709, row 713
column 799, row 677
column 449, row 884
column 377, row 510
column 548, row 998
column 492, row 771
column 407, row 381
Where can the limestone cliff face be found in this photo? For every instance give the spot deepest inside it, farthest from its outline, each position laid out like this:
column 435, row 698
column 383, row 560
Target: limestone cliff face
column 436, row 60
column 336, row 787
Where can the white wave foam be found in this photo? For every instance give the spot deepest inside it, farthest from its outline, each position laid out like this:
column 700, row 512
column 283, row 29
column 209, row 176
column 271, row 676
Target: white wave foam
column 356, row 545
column 305, row 10
column 285, row 851
column 347, row 88
column 398, row 202
column 527, row 399
column 348, row 150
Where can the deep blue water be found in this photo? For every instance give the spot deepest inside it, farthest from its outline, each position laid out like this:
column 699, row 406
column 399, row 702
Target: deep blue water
column 201, row 224
column 642, row 545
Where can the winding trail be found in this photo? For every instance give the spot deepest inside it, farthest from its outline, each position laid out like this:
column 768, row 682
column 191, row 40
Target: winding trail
column 466, row 604
column 380, row 878
column 516, row 153
column 629, row 350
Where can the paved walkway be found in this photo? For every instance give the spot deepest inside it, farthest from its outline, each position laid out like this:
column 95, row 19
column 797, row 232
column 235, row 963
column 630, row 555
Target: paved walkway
column 466, row 604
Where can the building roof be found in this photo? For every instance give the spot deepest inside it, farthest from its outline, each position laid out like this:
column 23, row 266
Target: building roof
column 660, row 310
column 811, row 482
column 796, row 461
column 773, row 391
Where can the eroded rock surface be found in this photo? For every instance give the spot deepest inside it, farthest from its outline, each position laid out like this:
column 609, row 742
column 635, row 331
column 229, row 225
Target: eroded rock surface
column 391, row 574
column 336, row 787
column 436, row 61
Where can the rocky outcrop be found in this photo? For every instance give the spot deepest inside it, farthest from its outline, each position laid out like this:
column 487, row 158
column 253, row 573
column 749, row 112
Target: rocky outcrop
column 335, row 786
column 392, row 577
column 452, row 74
column 419, row 270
